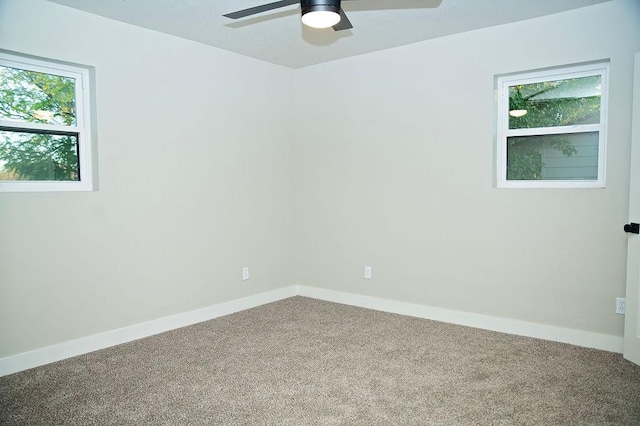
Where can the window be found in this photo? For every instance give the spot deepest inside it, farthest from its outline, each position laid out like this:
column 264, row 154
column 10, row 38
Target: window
column 552, row 128
column 45, row 137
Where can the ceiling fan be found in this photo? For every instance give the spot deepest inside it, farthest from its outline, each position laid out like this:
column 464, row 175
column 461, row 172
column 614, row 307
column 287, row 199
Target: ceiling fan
column 315, row 13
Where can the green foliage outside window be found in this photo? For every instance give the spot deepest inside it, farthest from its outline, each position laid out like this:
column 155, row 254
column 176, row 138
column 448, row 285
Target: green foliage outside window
column 35, row 97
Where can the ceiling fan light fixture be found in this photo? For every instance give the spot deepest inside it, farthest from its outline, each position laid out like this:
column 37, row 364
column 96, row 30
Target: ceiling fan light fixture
column 320, row 13
column 320, row 19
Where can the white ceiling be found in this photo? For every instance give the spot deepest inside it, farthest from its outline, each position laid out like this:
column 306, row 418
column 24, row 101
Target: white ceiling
column 279, row 36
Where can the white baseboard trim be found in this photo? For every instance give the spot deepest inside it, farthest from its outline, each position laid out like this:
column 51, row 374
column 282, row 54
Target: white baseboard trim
column 46, row 355
column 504, row 325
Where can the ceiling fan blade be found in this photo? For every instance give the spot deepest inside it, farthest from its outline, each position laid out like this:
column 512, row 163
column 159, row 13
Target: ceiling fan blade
column 260, row 9
column 344, row 23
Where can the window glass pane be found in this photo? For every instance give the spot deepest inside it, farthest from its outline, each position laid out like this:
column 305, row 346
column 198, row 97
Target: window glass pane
column 571, row 156
column 31, row 156
column 36, row 97
column 567, row 102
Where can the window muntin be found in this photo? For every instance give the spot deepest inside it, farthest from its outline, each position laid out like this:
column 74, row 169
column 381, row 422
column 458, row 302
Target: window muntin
column 45, row 137
column 552, row 128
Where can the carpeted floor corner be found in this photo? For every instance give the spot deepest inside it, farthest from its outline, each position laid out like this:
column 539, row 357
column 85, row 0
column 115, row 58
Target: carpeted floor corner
column 302, row 361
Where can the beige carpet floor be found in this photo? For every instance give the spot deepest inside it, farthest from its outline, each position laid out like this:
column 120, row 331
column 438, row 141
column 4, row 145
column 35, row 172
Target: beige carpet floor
column 302, row 361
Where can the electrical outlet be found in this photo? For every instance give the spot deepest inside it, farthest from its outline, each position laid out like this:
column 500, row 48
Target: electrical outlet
column 245, row 273
column 367, row 272
column 621, row 305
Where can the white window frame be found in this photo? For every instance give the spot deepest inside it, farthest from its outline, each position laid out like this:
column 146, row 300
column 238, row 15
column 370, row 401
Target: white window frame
column 503, row 132
column 82, row 127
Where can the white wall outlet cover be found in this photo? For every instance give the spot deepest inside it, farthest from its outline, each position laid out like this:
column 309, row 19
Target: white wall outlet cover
column 621, row 305
column 367, row 272
column 245, row 273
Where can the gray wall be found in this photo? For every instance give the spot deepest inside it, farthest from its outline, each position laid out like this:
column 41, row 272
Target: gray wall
column 194, row 149
column 396, row 171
